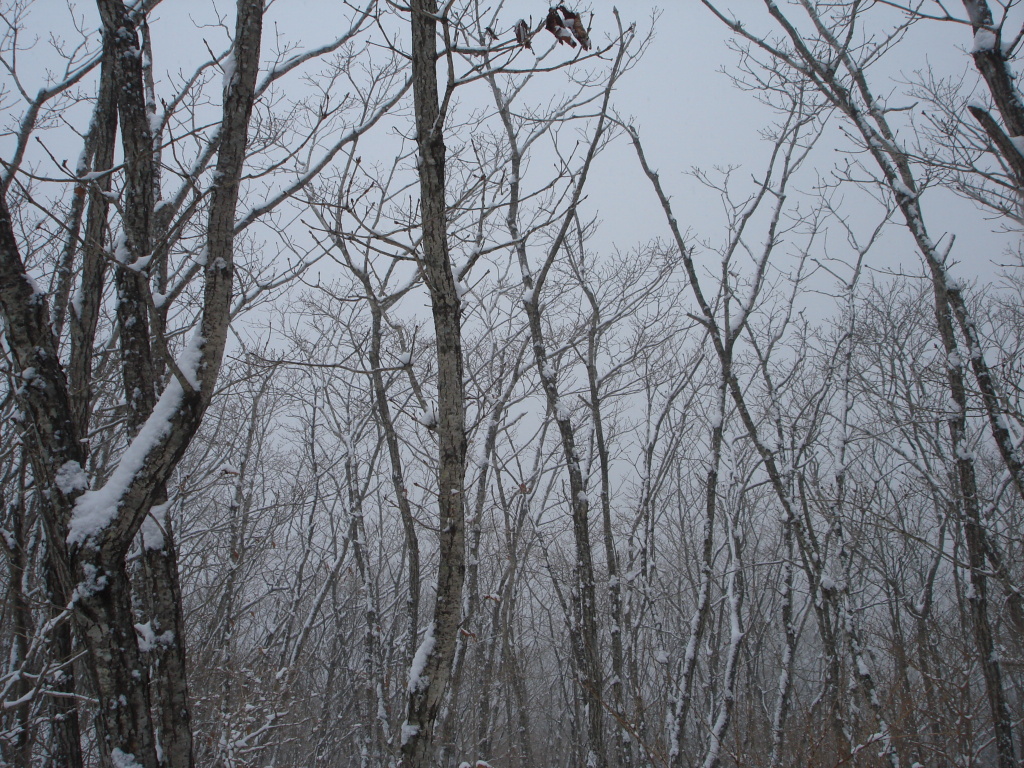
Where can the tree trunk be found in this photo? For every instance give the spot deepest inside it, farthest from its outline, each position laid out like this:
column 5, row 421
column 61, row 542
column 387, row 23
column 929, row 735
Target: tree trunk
column 431, row 666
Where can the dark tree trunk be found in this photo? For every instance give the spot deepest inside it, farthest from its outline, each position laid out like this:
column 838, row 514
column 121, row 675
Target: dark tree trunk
column 433, row 661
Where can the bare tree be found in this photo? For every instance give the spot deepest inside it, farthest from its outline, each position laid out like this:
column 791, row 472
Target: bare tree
column 832, row 59
column 171, row 257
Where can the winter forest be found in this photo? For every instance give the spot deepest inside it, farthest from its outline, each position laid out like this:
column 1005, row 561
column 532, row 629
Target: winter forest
column 336, row 430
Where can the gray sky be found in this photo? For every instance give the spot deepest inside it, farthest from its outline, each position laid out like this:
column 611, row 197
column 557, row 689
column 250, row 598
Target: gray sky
column 690, row 116
column 688, row 112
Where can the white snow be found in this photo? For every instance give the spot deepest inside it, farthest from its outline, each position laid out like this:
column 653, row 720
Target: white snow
column 902, row 188
column 561, row 412
column 408, row 732
column 123, row 759
column 228, row 65
column 984, row 40
column 428, row 416
column 70, row 478
column 140, row 264
column 964, row 453
column 862, row 668
column 419, row 663
column 38, row 294
column 148, row 639
column 955, row 283
column 91, row 584
column 121, row 249
column 479, row 457
column 190, row 360
column 152, row 531
column 95, row 510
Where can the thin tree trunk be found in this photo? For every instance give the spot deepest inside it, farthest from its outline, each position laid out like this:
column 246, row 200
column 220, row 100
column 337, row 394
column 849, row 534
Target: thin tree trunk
column 973, row 528
column 168, row 668
column 789, row 651
column 623, row 753
column 431, row 666
column 380, row 400
column 16, row 746
column 683, row 696
column 735, row 592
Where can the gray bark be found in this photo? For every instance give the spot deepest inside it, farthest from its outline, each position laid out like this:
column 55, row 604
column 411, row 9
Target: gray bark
column 843, row 83
column 97, row 561
column 428, row 682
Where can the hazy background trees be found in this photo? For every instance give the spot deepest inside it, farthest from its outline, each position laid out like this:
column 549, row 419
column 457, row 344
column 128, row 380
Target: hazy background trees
column 739, row 493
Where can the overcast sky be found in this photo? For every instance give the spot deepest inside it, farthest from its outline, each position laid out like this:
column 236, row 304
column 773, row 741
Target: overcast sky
column 688, row 112
column 691, row 116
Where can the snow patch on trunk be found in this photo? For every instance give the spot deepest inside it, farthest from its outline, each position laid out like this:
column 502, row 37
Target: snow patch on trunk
column 419, row 663
column 123, row 759
column 95, row 510
column 984, row 40
column 70, row 478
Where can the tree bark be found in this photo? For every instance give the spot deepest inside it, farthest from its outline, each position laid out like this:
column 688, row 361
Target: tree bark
column 431, row 666
column 94, row 556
